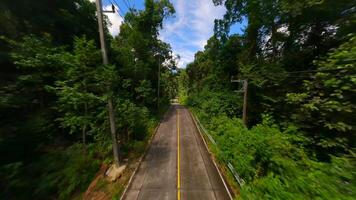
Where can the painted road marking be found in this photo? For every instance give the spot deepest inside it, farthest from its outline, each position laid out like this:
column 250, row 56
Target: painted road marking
column 178, row 157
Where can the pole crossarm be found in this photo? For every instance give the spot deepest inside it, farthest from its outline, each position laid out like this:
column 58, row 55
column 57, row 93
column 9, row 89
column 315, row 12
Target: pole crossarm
column 110, row 11
column 238, row 81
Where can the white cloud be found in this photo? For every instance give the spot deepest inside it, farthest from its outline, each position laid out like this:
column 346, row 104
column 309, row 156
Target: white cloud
column 186, row 56
column 203, row 19
column 115, row 20
column 187, row 32
column 192, row 26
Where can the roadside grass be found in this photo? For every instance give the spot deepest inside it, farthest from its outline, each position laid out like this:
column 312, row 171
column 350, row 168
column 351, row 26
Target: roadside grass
column 273, row 163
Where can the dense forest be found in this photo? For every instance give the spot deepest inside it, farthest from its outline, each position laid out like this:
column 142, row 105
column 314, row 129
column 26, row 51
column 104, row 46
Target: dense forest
column 54, row 125
column 299, row 60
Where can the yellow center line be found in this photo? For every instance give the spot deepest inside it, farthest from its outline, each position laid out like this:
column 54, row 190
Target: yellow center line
column 178, row 157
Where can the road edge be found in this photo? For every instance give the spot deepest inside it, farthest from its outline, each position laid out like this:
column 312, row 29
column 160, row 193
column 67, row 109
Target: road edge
column 142, row 156
column 211, row 155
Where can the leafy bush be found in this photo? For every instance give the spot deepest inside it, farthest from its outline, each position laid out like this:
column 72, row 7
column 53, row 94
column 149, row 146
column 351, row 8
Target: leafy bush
column 326, row 105
column 132, row 119
column 275, row 166
column 216, row 103
column 55, row 174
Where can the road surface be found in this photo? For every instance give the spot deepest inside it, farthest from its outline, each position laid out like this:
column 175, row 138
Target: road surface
column 177, row 164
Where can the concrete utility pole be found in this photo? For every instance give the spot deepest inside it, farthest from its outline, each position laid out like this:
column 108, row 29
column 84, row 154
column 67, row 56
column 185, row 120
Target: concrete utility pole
column 244, row 90
column 115, row 145
column 244, row 109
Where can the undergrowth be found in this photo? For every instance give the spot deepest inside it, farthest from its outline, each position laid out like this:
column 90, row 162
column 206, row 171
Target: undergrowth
column 273, row 161
column 55, row 174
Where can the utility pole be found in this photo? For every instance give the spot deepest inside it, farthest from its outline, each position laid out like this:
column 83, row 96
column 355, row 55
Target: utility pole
column 244, row 90
column 244, row 109
column 115, row 145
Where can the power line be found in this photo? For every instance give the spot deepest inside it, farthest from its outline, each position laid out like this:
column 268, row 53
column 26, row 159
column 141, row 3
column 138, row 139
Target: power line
column 118, row 11
column 117, row 6
column 133, row 4
column 127, row 4
column 318, row 70
column 287, row 76
column 300, row 74
column 115, row 2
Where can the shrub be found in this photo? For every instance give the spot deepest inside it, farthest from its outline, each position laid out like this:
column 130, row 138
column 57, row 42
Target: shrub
column 274, row 166
column 56, row 174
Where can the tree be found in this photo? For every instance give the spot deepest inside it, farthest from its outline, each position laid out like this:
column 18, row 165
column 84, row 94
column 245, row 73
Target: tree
column 139, row 52
column 78, row 98
column 283, row 46
column 325, row 108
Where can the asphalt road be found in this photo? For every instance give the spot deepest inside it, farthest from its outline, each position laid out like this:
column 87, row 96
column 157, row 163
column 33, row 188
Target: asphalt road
column 169, row 173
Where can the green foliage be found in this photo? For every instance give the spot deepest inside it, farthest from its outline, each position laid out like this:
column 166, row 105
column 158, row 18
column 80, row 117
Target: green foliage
column 275, row 166
column 58, row 172
column 54, row 91
column 299, row 60
column 331, row 90
column 133, row 119
column 38, row 60
column 216, row 103
column 142, row 57
column 183, row 87
column 77, row 91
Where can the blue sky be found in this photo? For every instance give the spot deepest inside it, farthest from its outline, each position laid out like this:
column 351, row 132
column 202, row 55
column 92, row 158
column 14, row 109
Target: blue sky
column 187, row 31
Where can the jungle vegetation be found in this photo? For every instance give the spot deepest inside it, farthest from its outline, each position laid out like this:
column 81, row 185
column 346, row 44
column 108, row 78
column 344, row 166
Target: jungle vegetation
column 54, row 129
column 299, row 58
